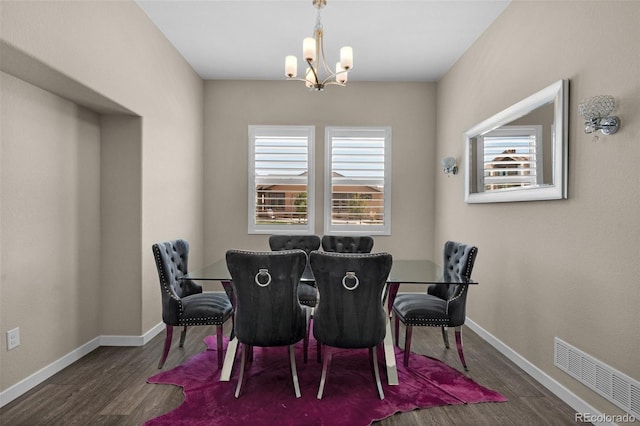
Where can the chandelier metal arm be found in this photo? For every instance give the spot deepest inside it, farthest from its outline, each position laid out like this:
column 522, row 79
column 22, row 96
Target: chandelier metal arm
column 317, row 84
column 327, row 81
column 336, row 83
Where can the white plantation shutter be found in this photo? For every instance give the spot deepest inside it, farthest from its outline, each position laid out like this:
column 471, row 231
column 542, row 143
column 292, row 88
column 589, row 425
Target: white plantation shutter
column 280, row 179
column 357, row 180
column 511, row 157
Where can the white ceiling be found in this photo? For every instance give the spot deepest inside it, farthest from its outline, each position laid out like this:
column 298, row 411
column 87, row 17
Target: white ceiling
column 392, row 40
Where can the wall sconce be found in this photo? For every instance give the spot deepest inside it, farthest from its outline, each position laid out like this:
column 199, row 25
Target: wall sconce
column 449, row 165
column 596, row 112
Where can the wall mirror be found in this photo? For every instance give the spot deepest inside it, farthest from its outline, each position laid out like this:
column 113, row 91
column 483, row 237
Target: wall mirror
column 520, row 154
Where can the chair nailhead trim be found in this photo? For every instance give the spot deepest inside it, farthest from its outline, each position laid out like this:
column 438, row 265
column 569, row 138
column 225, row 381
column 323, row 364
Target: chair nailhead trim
column 163, row 279
column 269, row 253
column 350, row 255
column 460, row 293
column 201, row 321
column 435, row 322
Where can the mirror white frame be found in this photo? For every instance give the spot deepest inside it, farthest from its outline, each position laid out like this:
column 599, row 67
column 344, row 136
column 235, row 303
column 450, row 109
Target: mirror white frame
column 556, row 94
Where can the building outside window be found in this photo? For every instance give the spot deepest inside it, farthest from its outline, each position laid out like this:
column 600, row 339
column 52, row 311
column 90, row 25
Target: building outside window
column 511, row 157
column 280, row 179
column 357, row 180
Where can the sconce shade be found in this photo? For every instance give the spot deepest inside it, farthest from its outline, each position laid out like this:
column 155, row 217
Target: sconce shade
column 597, row 107
column 596, row 112
column 449, row 165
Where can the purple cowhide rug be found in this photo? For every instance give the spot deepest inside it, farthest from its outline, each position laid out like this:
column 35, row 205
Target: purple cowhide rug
column 350, row 396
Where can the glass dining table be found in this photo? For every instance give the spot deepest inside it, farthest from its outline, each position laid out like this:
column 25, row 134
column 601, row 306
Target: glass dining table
column 419, row 271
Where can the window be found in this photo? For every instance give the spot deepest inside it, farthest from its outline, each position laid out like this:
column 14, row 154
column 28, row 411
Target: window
column 280, row 180
column 357, row 198
column 511, row 157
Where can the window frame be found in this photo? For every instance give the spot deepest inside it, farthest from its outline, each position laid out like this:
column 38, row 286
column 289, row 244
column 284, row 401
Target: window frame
column 356, row 229
column 283, row 131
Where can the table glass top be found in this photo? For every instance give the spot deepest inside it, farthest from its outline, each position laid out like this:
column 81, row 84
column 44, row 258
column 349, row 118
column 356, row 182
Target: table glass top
column 402, row 271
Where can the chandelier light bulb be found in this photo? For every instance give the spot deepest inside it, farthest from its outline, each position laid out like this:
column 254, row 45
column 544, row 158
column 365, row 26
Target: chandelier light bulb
column 291, row 66
column 341, row 73
column 309, row 49
column 346, row 57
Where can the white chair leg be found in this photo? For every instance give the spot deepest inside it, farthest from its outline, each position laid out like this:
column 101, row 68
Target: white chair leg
column 325, row 369
column 243, row 357
column 376, row 371
column 306, row 334
column 294, row 372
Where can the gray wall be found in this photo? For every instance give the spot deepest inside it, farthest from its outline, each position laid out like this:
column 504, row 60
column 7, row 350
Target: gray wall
column 409, row 108
column 102, row 147
column 50, row 225
column 555, row 268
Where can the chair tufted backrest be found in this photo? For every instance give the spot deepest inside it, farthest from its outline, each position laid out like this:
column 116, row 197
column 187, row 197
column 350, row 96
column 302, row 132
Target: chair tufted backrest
column 347, row 244
column 265, row 284
column 350, row 313
column 172, row 258
column 458, row 260
column 308, row 243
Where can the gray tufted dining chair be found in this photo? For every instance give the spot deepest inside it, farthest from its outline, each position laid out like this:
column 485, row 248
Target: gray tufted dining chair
column 443, row 305
column 350, row 311
column 268, row 312
column 183, row 302
column 347, row 243
column 307, row 292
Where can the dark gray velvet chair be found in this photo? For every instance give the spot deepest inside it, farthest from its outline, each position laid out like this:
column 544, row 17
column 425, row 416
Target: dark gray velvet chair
column 307, row 292
column 442, row 305
column 350, row 312
column 347, row 243
column 268, row 312
column 183, row 302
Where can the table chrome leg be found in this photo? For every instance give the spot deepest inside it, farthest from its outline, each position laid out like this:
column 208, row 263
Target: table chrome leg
column 230, row 356
column 389, row 351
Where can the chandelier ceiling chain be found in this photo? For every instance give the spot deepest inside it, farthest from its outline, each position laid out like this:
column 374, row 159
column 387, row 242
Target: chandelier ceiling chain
column 314, row 56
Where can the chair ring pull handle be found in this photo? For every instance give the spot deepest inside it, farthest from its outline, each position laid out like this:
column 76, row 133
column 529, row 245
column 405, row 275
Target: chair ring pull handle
column 263, row 272
column 351, row 275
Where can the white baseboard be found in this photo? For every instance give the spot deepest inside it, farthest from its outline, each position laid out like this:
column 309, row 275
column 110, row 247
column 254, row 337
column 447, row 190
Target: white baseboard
column 540, row 376
column 132, row 340
column 44, row 373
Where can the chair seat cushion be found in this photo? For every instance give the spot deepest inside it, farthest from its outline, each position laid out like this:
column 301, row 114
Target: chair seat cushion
column 205, row 309
column 307, row 294
column 421, row 310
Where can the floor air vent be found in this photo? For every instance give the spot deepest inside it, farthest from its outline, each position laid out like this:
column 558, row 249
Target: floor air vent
column 615, row 386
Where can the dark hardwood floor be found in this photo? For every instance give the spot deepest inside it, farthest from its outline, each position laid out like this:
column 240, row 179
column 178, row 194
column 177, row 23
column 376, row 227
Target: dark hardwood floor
column 108, row 387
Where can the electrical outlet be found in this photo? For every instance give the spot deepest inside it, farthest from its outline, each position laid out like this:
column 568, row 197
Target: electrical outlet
column 13, row 338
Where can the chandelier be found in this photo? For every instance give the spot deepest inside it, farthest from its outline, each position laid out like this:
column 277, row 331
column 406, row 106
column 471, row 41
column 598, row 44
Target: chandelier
column 313, row 54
